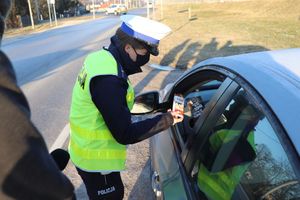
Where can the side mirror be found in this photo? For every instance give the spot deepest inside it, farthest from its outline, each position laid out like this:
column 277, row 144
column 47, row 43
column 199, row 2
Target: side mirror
column 145, row 103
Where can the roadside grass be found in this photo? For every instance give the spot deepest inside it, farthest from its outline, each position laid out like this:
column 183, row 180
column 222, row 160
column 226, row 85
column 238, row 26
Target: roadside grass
column 221, row 29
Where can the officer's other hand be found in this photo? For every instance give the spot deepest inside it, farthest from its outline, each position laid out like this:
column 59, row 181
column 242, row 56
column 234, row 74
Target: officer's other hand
column 177, row 116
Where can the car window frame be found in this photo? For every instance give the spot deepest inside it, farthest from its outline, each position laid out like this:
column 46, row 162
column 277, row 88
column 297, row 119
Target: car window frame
column 179, row 87
column 183, row 85
column 191, row 80
column 206, row 123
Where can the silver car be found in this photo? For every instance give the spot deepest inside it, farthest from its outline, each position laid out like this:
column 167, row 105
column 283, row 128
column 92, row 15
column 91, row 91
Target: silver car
column 116, row 9
column 240, row 137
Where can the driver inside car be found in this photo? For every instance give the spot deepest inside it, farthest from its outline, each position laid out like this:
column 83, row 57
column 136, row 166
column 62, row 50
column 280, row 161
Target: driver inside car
column 236, row 133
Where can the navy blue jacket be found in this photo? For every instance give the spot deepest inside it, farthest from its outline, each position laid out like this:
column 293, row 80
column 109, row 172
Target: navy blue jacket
column 109, row 95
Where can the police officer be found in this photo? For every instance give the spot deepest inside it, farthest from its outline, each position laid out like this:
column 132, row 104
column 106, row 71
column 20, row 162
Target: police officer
column 100, row 118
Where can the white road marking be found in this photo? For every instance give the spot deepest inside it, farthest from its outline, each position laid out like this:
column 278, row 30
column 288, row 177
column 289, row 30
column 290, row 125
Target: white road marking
column 61, row 139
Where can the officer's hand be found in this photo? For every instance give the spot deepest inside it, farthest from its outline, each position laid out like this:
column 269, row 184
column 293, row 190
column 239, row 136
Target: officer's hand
column 177, row 117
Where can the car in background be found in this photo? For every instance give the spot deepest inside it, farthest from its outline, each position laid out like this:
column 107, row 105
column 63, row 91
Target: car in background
column 240, row 135
column 116, row 9
column 150, row 5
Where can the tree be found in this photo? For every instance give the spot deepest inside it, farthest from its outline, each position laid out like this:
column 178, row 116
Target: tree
column 268, row 173
column 62, row 5
column 66, row 5
column 44, row 9
column 18, row 8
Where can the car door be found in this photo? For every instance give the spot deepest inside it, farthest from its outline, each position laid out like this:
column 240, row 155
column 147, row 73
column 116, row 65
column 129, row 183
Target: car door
column 255, row 145
column 241, row 151
column 169, row 176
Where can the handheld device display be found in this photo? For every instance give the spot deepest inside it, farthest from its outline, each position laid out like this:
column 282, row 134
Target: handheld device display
column 178, row 103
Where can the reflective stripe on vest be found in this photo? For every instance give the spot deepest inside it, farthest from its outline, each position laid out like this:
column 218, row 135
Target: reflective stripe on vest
column 221, row 185
column 92, row 146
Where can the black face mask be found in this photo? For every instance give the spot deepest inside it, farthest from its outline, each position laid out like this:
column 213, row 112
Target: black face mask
column 132, row 67
column 142, row 60
column 128, row 65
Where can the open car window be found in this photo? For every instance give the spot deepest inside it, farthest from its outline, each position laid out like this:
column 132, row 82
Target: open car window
column 244, row 157
column 195, row 100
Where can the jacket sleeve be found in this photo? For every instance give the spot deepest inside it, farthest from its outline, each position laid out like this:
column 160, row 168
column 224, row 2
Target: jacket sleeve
column 27, row 169
column 109, row 95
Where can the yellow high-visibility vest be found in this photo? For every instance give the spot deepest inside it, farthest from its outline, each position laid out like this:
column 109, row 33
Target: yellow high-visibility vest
column 92, row 146
column 221, row 185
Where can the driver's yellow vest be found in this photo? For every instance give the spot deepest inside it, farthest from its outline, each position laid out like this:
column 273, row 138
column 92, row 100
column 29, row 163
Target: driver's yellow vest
column 221, row 185
column 92, row 146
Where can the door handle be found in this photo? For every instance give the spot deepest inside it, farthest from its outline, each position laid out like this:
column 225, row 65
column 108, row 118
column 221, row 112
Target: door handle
column 155, row 184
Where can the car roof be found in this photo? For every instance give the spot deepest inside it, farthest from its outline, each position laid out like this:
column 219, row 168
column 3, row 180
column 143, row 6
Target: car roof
column 276, row 77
